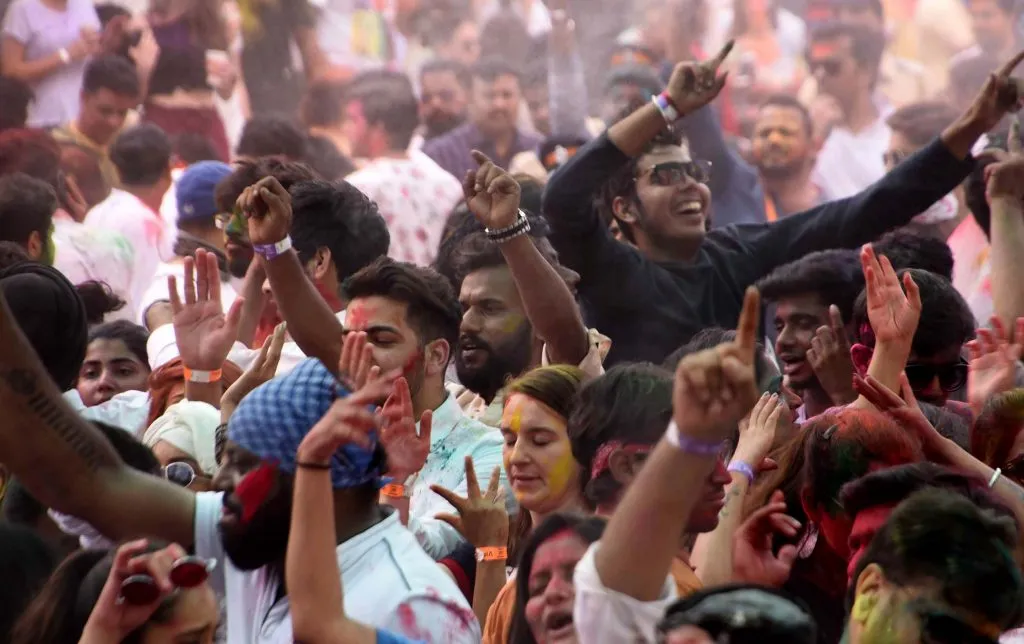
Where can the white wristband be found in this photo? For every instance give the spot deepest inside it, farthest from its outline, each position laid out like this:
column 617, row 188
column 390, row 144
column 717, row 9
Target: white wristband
column 65, row 55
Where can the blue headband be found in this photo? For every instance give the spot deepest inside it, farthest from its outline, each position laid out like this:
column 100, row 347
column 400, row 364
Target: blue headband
column 273, row 419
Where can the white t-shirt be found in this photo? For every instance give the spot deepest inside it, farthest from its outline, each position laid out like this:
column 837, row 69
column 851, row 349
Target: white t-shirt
column 148, row 234
column 850, row 162
column 389, row 583
column 604, row 615
column 415, row 197
column 157, row 291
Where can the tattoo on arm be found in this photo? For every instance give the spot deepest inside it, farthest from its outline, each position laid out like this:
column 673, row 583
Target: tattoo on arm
column 25, row 388
column 733, row 494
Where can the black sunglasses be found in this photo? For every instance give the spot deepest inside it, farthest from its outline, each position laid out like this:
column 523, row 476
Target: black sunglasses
column 951, row 376
column 672, row 173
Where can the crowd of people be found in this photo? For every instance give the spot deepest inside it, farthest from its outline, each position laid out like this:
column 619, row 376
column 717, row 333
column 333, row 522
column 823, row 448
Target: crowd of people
column 511, row 321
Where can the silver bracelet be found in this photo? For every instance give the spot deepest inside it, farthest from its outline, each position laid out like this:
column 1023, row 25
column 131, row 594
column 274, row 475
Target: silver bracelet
column 520, row 227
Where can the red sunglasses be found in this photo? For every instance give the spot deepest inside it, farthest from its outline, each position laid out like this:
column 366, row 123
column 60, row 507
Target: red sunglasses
column 187, row 572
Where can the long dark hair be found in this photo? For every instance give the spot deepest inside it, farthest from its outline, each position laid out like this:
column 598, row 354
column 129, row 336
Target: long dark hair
column 59, row 612
column 589, row 529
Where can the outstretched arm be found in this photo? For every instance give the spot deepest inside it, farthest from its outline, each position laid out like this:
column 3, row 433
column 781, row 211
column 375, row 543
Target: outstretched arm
column 67, row 464
column 910, row 189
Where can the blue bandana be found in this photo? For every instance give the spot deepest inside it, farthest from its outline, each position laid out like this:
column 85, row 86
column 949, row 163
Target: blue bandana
column 273, row 419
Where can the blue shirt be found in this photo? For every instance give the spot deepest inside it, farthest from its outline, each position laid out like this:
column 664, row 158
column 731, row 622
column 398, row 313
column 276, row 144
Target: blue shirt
column 452, row 151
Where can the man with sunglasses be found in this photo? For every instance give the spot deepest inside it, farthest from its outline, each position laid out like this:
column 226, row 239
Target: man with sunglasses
column 845, row 60
column 679, row 278
column 935, row 367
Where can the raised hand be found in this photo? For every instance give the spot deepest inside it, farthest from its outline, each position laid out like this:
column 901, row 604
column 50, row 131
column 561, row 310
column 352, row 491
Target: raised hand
column 267, row 207
column 406, row 449
column 203, row 333
column 262, row 370
column 1005, row 178
column 904, row 410
column 113, row 620
column 999, row 95
column 349, row 421
column 893, row 313
column 993, row 362
column 715, row 388
column 753, row 559
column 829, row 356
column 694, row 85
column 492, row 195
column 758, row 430
column 355, row 367
column 482, row 518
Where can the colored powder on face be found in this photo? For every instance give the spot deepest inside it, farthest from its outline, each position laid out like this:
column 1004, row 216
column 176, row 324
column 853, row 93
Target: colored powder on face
column 254, row 489
column 411, row 364
column 512, row 323
column 516, row 423
column 357, row 317
column 561, row 473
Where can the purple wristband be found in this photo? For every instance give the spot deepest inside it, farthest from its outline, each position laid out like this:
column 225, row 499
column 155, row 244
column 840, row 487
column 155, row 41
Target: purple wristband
column 690, row 445
column 743, row 468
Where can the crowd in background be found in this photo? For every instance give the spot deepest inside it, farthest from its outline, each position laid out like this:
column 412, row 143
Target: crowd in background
column 511, row 321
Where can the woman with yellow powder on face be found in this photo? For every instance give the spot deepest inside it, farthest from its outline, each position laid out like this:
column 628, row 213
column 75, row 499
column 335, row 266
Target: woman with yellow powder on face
column 541, row 469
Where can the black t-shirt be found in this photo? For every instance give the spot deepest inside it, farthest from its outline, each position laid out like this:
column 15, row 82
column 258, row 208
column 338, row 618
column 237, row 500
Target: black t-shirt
column 273, row 82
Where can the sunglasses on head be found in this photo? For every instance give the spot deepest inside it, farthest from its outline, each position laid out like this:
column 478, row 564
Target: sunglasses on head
column 179, row 473
column 951, row 376
column 187, row 572
column 671, row 173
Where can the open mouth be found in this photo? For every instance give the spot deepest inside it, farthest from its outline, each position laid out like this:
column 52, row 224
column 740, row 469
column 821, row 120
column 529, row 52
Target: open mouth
column 559, row 625
column 691, row 208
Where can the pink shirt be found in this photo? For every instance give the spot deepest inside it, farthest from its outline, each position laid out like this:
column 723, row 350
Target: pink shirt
column 972, row 268
column 415, row 197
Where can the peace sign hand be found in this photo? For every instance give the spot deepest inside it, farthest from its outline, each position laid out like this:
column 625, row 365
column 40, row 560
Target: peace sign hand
column 482, row 518
column 694, row 85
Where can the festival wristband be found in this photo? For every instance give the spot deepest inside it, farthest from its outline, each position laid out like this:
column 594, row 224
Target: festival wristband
column 666, row 107
column 690, row 445
column 270, row 251
column 393, row 491
column 202, row 377
column 742, row 468
column 65, row 55
column 492, row 554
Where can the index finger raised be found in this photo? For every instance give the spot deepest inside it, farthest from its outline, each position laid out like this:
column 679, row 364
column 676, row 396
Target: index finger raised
column 1011, row 64
column 472, row 485
column 746, row 330
column 722, row 54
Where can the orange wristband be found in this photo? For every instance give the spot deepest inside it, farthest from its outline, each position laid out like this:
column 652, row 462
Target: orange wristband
column 203, row 377
column 492, row 554
column 393, row 490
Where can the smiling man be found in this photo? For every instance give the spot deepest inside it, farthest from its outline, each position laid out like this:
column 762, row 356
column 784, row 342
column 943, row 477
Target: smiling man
column 678, row 278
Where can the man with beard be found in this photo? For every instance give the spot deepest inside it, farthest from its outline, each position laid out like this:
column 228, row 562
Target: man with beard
column 783, row 149
column 404, row 318
column 71, row 468
column 444, row 97
column 493, row 115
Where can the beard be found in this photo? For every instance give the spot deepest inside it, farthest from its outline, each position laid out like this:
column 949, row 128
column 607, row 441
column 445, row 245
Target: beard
column 506, row 361
column 781, row 170
column 263, row 540
column 443, row 124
